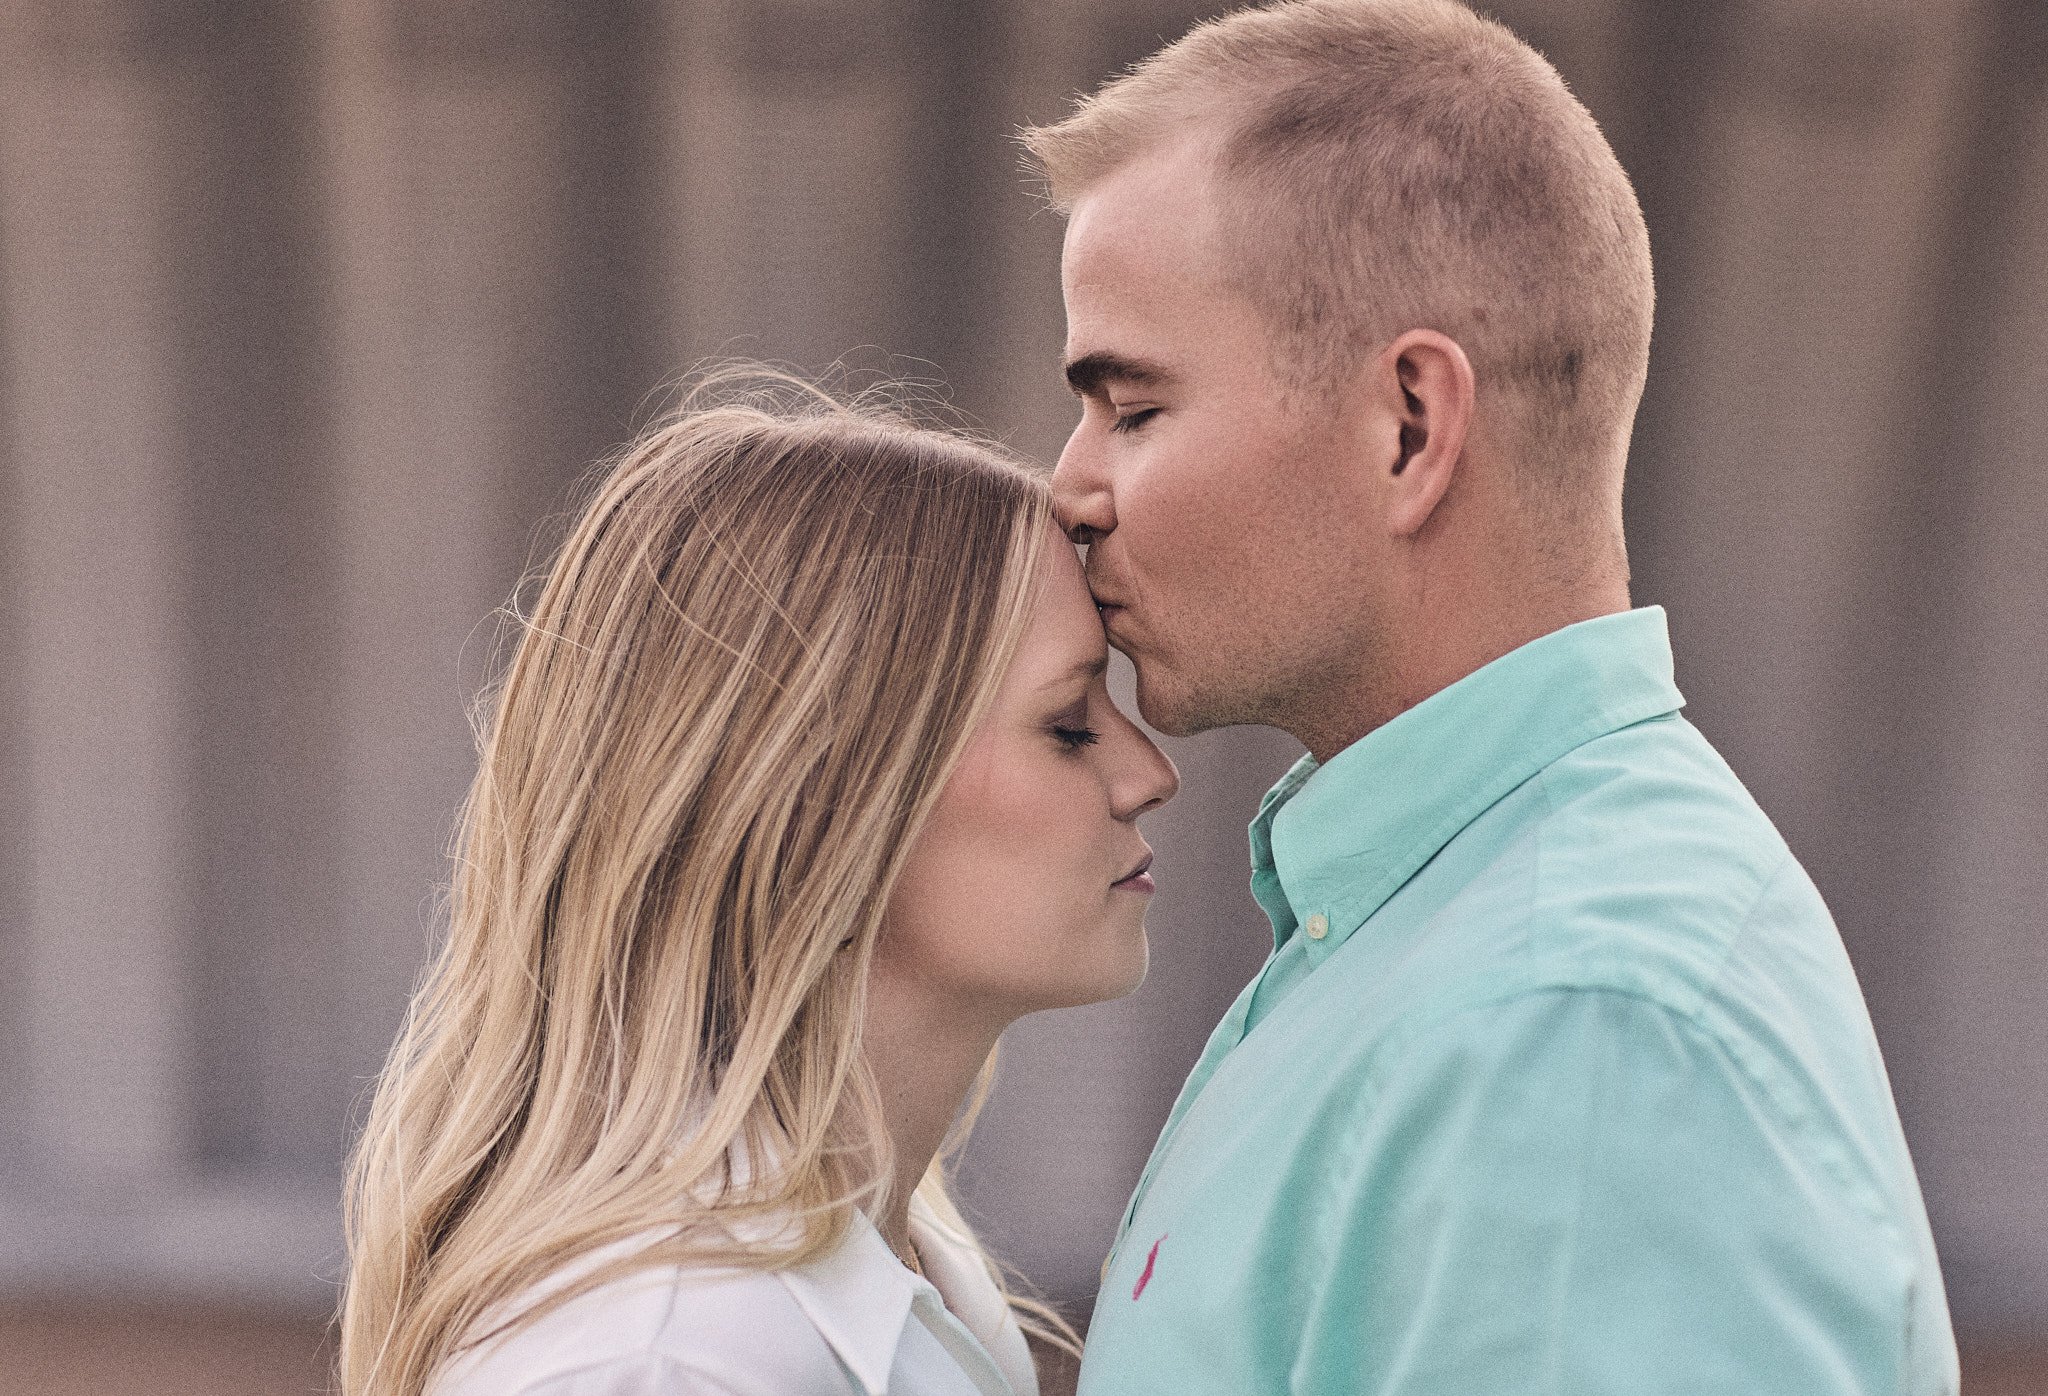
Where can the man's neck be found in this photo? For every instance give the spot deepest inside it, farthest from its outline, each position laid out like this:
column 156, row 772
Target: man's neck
column 1438, row 652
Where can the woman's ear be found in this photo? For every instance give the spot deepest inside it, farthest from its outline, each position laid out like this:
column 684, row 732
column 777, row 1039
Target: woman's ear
column 1425, row 385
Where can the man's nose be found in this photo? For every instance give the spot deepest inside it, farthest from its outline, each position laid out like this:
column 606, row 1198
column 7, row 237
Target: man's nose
column 1081, row 497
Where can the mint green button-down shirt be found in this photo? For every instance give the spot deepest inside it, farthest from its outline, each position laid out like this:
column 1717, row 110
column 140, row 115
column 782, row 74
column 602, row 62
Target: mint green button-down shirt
column 1558, row 1081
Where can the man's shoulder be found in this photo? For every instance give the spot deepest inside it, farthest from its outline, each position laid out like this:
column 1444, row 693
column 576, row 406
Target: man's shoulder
column 1652, row 870
column 1629, row 844
column 1646, row 891
column 1655, row 798
column 1636, row 865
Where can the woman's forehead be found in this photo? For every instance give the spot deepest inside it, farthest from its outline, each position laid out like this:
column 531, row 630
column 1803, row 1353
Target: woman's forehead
column 1064, row 634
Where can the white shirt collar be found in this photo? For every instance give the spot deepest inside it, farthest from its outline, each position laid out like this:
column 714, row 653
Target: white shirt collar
column 961, row 1275
column 860, row 1297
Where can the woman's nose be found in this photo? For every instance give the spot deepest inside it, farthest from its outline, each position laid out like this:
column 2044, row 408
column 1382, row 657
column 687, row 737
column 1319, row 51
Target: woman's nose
column 1152, row 780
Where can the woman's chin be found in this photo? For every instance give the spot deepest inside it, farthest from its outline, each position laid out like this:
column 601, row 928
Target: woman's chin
column 1105, row 981
column 1136, row 976
column 1122, row 979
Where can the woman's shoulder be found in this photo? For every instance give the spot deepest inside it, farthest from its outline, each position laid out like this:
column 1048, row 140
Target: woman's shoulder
column 661, row 1330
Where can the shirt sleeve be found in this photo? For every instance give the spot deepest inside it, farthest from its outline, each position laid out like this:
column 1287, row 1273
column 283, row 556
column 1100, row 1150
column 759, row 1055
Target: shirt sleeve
column 1585, row 1193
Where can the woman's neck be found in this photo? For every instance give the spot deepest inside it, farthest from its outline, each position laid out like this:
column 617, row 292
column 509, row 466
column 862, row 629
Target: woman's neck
column 924, row 1063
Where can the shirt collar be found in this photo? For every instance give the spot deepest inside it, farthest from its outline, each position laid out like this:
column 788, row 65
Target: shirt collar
column 1335, row 842
column 860, row 1296
column 964, row 1283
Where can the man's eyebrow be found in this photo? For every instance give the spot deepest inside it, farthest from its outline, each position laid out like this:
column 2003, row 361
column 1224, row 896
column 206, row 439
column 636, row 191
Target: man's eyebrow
column 1087, row 669
column 1087, row 374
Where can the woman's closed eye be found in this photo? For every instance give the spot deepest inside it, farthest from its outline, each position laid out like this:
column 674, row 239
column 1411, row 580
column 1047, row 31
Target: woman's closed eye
column 1074, row 738
column 1131, row 421
column 1070, row 728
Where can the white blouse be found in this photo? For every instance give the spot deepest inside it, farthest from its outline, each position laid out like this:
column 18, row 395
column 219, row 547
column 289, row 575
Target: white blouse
column 856, row 1323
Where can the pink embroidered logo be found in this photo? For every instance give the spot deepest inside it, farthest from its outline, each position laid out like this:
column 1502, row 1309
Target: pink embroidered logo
column 1150, row 1260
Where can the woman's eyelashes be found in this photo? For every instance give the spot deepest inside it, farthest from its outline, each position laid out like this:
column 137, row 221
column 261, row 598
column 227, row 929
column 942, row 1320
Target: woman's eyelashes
column 1071, row 730
column 1131, row 421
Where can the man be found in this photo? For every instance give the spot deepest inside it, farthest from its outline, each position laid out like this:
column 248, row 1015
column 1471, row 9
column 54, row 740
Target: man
column 1558, row 1079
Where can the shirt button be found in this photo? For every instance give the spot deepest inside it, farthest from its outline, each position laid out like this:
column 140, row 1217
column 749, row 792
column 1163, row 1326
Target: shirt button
column 1318, row 926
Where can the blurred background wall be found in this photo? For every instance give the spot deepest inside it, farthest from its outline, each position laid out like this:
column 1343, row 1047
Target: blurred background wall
column 311, row 315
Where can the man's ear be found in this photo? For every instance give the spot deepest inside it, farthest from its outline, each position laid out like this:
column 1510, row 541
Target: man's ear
column 1426, row 389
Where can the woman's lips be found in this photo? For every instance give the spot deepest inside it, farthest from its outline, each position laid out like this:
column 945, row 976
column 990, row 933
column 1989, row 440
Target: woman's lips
column 1138, row 879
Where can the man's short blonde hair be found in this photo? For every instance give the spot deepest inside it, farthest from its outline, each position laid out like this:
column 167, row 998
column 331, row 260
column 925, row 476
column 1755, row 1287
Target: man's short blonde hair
column 1396, row 164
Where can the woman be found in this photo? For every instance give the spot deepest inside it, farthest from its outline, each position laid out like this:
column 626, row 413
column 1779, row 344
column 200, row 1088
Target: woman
column 803, row 784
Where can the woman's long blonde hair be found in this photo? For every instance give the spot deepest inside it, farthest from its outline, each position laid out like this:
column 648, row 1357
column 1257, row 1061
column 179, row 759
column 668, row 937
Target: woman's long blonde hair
column 750, row 669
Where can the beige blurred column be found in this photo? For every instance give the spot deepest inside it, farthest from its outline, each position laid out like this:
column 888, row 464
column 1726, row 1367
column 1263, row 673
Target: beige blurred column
column 445, row 139
column 788, row 208
column 103, row 111
column 1779, row 474
column 1985, row 1039
column 1585, row 40
column 1801, row 314
column 95, row 537
column 1056, row 51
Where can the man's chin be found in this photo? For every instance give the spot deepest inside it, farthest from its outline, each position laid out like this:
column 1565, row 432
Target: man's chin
column 1166, row 710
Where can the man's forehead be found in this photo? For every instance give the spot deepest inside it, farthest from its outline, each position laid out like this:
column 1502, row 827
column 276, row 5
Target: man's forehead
column 1150, row 215
column 1136, row 265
